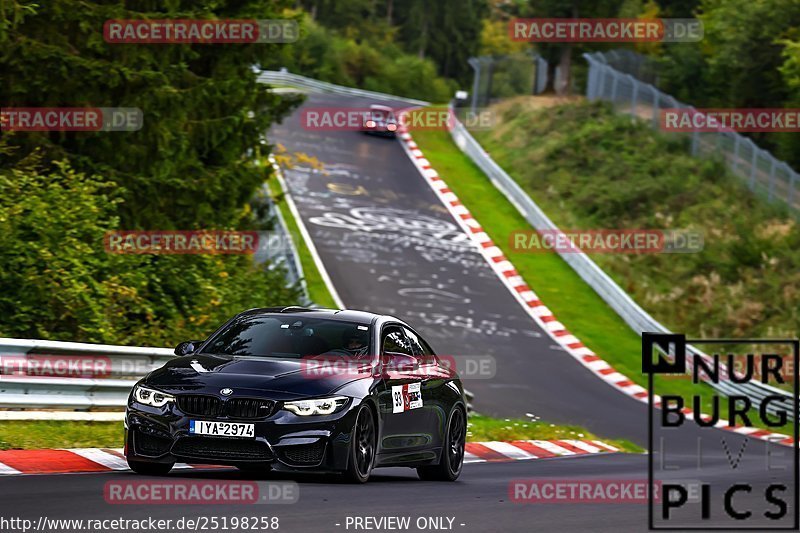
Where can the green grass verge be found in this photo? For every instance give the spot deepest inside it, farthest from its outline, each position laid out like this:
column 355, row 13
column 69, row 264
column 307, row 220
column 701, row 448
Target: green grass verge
column 22, row 434
column 317, row 289
column 483, row 428
column 573, row 302
column 25, row 435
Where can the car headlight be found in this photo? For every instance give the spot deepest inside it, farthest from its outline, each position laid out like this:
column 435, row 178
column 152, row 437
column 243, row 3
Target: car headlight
column 321, row 406
column 151, row 396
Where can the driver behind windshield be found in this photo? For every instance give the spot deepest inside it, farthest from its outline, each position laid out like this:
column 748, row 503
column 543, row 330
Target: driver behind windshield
column 355, row 341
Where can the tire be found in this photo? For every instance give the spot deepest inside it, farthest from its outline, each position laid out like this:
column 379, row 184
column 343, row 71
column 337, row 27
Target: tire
column 150, row 469
column 363, row 446
column 449, row 467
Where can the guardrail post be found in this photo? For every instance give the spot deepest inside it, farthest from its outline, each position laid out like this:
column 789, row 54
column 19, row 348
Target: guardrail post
column 771, row 179
column 656, row 109
column 600, row 89
column 614, row 87
column 592, row 80
column 736, row 152
column 489, row 78
column 475, row 63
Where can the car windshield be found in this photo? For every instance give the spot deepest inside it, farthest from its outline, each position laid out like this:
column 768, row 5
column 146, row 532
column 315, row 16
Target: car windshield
column 291, row 337
column 381, row 115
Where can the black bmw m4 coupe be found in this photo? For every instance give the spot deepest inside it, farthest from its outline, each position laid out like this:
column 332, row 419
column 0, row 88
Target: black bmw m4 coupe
column 302, row 390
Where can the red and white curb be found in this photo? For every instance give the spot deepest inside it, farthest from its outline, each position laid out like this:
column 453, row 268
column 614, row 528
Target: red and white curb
column 522, row 450
column 97, row 460
column 70, row 461
column 533, row 306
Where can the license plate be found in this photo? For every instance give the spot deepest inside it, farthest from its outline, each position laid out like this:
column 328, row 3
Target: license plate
column 222, row 429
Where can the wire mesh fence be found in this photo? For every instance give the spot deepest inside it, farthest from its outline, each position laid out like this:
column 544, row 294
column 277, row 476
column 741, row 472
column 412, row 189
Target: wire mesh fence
column 763, row 173
column 498, row 77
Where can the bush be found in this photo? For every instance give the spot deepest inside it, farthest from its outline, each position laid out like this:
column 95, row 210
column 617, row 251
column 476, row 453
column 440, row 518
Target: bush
column 376, row 65
column 59, row 283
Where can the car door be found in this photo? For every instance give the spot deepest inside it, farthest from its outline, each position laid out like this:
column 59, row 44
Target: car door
column 406, row 429
column 438, row 399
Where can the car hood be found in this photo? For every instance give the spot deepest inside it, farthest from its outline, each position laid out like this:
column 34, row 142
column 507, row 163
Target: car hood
column 254, row 376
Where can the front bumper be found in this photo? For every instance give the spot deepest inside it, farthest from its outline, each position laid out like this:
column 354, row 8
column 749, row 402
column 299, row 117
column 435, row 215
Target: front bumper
column 283, row 440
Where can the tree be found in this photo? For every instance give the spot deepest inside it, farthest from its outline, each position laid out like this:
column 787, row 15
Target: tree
column 561, row 54
column 59, row 283
column 203, row 109
column 745, row 61
column 446, row 31
column 190, row 167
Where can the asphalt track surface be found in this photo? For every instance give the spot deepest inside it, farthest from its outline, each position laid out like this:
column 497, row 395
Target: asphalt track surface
column 390, row 247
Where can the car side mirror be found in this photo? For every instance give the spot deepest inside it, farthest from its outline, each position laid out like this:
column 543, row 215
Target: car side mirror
column 400, row 363
column 187, row 347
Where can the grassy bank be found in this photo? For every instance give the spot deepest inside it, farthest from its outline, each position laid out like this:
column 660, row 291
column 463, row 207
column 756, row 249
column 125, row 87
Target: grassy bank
column 484, row 428
column 591, row 169
column 317, row 289
column 574, row 303
column 34, row 434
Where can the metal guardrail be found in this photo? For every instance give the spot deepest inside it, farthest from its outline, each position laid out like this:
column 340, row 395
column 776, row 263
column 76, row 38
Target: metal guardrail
column 120, row 366
column 637, row 318
column 295, row 80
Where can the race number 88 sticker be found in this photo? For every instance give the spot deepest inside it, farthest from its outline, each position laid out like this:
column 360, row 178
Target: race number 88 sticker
column 406, row 397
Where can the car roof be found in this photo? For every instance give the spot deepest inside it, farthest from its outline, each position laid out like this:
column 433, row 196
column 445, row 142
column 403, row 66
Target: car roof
column 343, row 315
column 378, row 107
